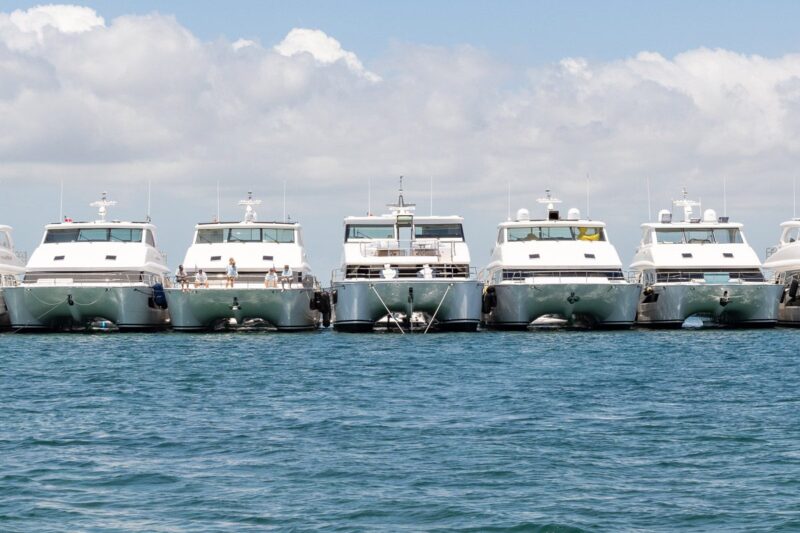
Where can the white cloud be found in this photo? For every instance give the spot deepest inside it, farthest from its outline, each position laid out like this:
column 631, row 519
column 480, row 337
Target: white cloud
column 30, row 25
column 322, row 48
column 141, row 96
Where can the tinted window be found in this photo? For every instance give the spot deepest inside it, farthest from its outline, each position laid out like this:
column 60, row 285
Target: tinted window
column 584, row 233
column 699, row 236
column 244, row 234
column 208, row 236
column 150, row 239
column 728, row 236
column 669, row 236
column 93, row 234
column 369, row 232
column 125, row 235
column 5, row 242
column 277, row 235
column 62, row 235
column 438, row 231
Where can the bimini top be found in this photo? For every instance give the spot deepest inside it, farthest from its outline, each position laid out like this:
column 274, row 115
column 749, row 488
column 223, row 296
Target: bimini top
column 255, row 246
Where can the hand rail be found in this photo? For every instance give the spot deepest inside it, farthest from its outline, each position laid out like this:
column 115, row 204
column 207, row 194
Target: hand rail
column 56, row 279
column 404, row 272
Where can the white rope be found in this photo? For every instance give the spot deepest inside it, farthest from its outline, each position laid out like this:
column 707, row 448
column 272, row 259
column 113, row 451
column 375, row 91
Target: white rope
column 371, row 286
column 437, row 309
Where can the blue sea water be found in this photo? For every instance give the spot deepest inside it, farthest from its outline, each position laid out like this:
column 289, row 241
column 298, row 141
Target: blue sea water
column 546, row 431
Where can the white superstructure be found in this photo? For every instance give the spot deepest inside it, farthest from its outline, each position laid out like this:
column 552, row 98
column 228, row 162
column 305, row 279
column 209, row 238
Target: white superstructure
column 10, row 269
column 256, row 248
column 701, row 266
column 784, row 261
column 81, row 272
column 556, row 267
column 401, row 262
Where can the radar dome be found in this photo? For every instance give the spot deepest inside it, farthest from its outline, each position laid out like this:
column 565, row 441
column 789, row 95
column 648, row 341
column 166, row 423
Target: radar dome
column 523, row 214
column 709, row 215
column 574, row 214
column 665, row 216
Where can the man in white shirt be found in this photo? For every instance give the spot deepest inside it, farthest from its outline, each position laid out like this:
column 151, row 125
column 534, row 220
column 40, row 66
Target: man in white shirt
column 426, row 272
column 388, row 272
column 286, row 276
column 201, row 279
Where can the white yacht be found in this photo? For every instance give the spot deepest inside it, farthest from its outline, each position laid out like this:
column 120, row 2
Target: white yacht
column 250, row 301
column 784, row 261
column 10, row 269
column 701, row 267
column 102, row 275
column 556, row 271
column 401, row 270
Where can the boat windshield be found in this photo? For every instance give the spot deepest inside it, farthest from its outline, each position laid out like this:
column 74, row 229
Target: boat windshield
column 556, row 233
column 5, row 242
column 699, row 236
column 359, row 231
column 208, row 236
column 438, row 231
column 93, row 235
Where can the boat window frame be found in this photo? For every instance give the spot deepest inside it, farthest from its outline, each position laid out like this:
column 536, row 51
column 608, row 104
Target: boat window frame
column 207, row 231
column 457, row 225
column 348, row 238
column 276, row 241
column 5, row 240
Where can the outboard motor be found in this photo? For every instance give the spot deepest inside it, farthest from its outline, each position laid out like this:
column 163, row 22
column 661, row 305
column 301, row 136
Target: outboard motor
column 489, row 300
column 159, row 297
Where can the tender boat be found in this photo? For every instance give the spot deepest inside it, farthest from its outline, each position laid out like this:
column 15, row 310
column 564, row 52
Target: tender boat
column 92, row 276
column 405, row 265
column 784, row 261
column 10, row 269
column 701, row 267
column 556, row 272
column 247, row 303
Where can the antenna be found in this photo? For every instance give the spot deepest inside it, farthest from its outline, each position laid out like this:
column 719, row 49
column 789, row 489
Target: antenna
column 649, row 209
column 149, row 187
column 687, row 205
column 284, row 200
column 401, row 207
column 102, row 206
column 509, row 201
column 587, row 196
column 217, row 201
column 369, row 196
column 249, row 214
column 61, row 203
column 431, row 194
column 794, row 197
column 724, row 196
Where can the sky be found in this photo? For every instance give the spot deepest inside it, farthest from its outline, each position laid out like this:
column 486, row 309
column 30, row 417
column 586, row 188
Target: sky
column 595, row 100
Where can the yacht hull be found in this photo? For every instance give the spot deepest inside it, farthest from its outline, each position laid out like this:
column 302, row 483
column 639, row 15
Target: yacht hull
column 744, row 305
column 599, row 305
column 32, row 308
column 5, row 322
column 359, row 303
column 201, row 309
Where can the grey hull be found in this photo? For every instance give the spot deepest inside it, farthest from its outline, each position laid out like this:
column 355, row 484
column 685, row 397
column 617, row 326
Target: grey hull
column 200, row 309
column 602, row 305
column 358, row 303
column 746, row 304
column 57, row 308
column 5, row 322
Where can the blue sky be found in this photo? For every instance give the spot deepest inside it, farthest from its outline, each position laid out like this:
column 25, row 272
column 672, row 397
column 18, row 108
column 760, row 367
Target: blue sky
column 520, row 32
column 477, row 95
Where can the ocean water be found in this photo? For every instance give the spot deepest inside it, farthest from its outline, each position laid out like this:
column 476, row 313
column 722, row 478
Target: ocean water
column 546, row 431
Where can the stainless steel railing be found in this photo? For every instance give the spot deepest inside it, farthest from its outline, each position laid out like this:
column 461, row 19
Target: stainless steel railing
column 404, row 272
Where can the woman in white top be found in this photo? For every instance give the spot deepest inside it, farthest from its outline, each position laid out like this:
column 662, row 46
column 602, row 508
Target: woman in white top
column 271, row 279
column 201, row 279
column 231, row 273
